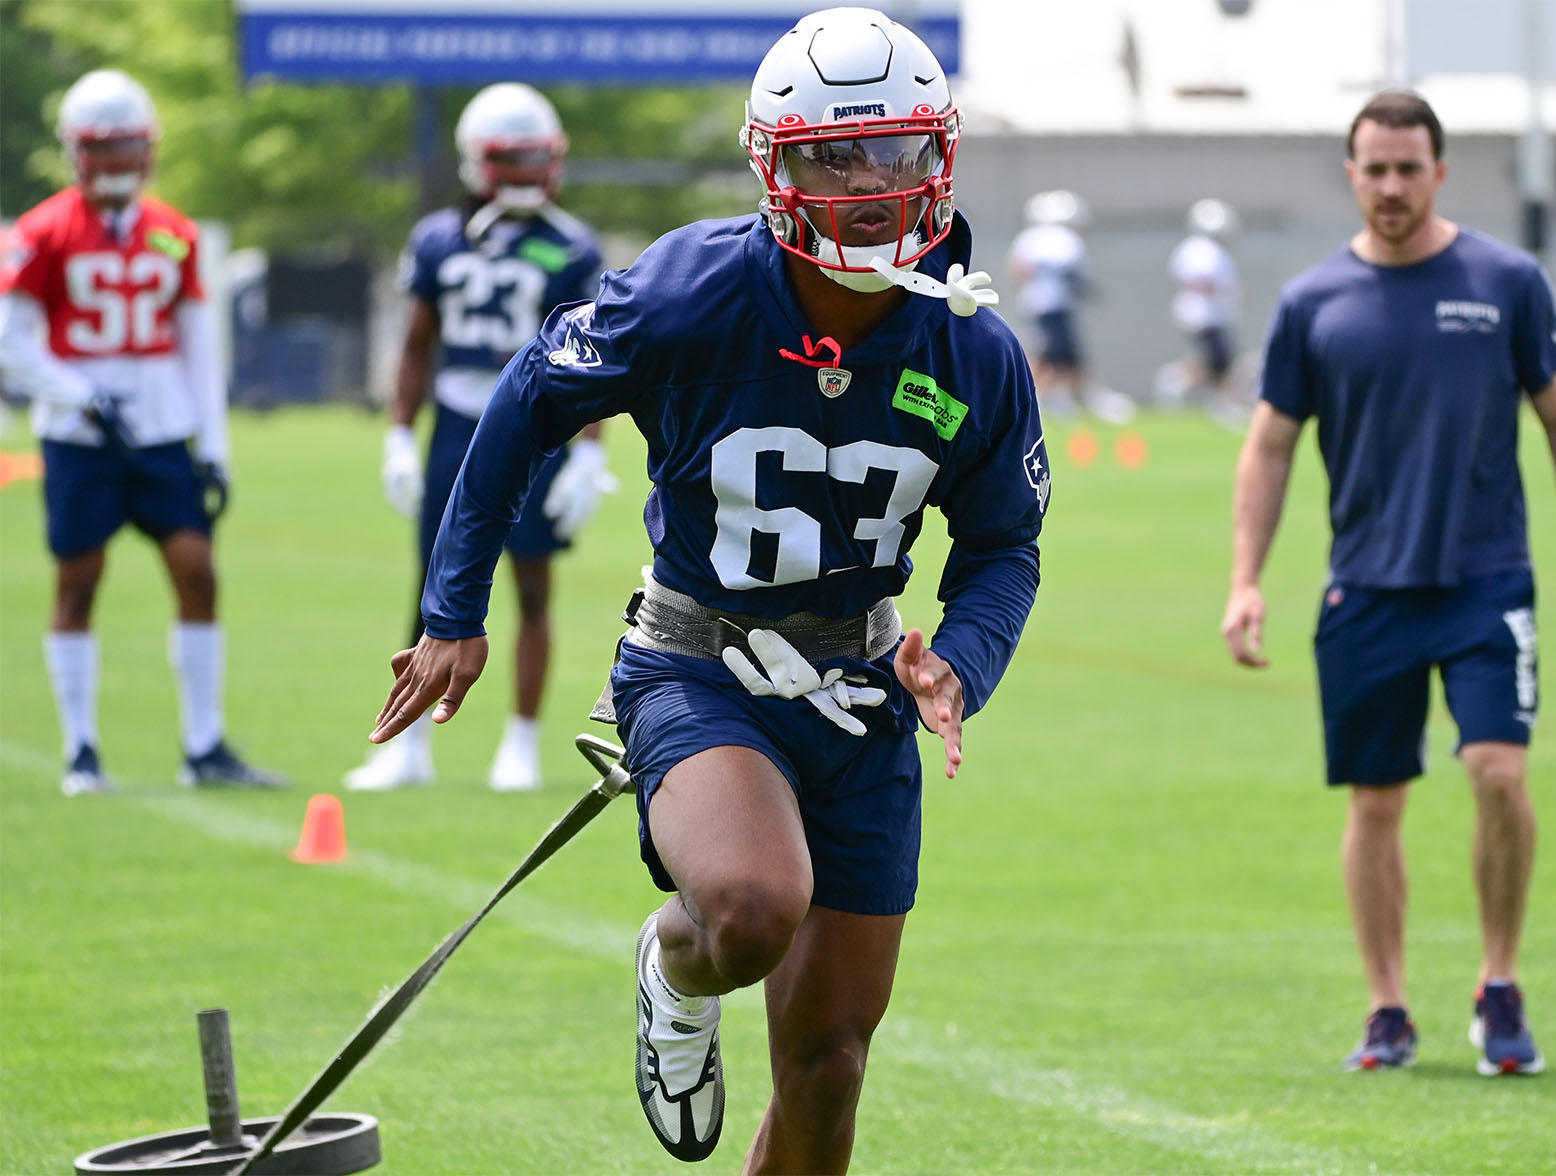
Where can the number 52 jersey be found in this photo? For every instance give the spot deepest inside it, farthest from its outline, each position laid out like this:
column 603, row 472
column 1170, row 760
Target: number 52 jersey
column 109, row 293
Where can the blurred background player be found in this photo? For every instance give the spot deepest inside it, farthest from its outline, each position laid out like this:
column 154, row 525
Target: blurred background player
column 483, row 277
column 1205, row 296
column 1048, row 259
column 103, row 325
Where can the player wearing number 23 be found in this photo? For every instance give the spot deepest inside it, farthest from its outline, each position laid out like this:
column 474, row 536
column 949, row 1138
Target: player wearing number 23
column 482, row 277
column 103, row 325
column 808, row 381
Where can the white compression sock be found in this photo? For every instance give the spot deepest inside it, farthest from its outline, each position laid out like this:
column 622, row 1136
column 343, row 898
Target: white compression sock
column 72, row 661
column 419, row 734
column 663, row 990
column 522, row 731
column 195, row 652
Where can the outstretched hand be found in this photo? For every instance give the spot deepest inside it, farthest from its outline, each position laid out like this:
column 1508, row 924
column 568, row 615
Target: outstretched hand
column 938, row 692
column 434, row 671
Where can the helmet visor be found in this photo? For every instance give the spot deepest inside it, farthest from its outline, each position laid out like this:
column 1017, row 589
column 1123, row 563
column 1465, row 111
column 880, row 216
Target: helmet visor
column 860, row 166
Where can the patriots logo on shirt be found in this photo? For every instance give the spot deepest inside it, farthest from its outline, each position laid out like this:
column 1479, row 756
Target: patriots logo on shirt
column 1037, row 473
column 576, row 350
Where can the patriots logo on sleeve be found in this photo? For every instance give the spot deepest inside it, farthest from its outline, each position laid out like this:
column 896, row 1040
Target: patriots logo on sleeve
column 576, row 350
column 1037, row 472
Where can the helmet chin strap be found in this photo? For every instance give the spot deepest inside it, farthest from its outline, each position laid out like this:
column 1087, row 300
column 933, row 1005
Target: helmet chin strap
column 963, row 292
column 116, row 186
column 858, row 256
column 523, row 201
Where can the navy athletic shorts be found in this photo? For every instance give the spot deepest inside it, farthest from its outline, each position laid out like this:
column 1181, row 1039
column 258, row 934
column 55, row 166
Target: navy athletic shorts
column 858, row 794
column 89, row 492
column 1376, row 649
column 1060, row 342
column 1215, row 351
column 532, row 537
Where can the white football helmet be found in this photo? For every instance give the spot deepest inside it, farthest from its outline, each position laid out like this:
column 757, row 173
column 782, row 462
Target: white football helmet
column 851, row 130
column 511, row 145
column 108, row 127
column 1059, row 207
column 1213, row 218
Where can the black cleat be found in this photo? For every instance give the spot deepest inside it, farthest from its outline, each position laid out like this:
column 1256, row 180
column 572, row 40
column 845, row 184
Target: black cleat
column 84, row 774
column 220, row 768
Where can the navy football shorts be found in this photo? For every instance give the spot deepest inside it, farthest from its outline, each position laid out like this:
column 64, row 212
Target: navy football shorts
column 1060, row 344
column 1376, row 649
column 89, row 492
column 532, row 537
column 858, row 794
column 1215, row 351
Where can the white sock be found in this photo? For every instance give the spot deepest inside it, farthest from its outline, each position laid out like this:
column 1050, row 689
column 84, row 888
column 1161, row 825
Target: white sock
column 666, row 992
column 418, row 735
column 524, row 732
column 72, row 661
column 195, row 652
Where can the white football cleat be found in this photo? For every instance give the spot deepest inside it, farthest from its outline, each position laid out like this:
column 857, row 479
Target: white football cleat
column 400, row 763
column 679, row 1071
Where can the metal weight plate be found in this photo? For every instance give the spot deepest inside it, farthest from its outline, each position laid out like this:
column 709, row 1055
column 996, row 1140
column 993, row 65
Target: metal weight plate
column 325, row 1145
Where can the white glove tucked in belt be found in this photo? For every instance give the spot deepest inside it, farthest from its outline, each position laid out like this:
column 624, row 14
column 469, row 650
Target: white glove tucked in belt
column 576, row 489
column 402, row 471
column 790, row 676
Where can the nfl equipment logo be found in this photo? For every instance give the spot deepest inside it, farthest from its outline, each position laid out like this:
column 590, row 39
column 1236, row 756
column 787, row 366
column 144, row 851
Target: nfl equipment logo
column 833, row 381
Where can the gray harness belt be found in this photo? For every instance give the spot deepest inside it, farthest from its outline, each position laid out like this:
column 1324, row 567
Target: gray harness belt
column 671, row 621
column 664, row 619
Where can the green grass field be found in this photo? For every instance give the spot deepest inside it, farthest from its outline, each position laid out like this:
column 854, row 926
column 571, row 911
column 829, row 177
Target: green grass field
column 1130, row 952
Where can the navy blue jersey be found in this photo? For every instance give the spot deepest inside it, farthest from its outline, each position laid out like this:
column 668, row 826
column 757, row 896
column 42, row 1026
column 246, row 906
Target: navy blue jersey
column 779, row 486
column 493, row 294
column 1414, row 373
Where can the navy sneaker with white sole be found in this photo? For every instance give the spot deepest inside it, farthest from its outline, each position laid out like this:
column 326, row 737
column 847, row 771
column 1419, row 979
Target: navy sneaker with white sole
column 1388, row 1043
column 221, row 768
column 84, row 774
column 679, row 1072
column 1501, row 1034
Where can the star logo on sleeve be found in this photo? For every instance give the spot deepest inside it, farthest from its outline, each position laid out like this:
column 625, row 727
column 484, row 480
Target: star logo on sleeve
column 1037, row 472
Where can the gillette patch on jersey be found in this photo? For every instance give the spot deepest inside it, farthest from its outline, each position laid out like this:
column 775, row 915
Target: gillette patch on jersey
column 920, row 395
column 165, row 242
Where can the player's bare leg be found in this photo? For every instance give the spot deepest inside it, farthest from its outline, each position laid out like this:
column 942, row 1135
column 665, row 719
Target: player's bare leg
column 1375, row 879
column 187, row 555
column 1503, row 853
column 727, row 828
column 823, row 1004
column 728, row 831
column 75, row 590
column 517, row 765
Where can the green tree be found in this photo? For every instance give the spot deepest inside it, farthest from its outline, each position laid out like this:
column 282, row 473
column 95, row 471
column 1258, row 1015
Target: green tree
column 287, row 166
column 299, row 167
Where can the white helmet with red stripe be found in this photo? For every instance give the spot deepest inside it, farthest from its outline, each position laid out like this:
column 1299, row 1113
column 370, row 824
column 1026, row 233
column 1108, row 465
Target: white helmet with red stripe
column 511, row 145
column 851, row 130
column 108, row 126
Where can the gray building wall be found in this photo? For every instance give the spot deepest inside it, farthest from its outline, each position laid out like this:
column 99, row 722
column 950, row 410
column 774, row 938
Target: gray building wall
column 1291, row 192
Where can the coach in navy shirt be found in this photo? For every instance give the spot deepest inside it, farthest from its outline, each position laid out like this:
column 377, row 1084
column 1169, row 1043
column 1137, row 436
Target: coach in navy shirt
column 1414, row 348
column 808, row 380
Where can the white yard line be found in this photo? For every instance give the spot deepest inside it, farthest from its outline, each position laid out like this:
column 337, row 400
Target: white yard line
column 940, row 1049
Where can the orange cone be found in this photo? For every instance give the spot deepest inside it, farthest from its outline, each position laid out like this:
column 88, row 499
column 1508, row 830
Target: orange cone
column 324, row 831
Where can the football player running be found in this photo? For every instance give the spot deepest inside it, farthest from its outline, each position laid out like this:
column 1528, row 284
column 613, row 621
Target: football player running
column 808, row 380
column 104, row 326
column 482, row 278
